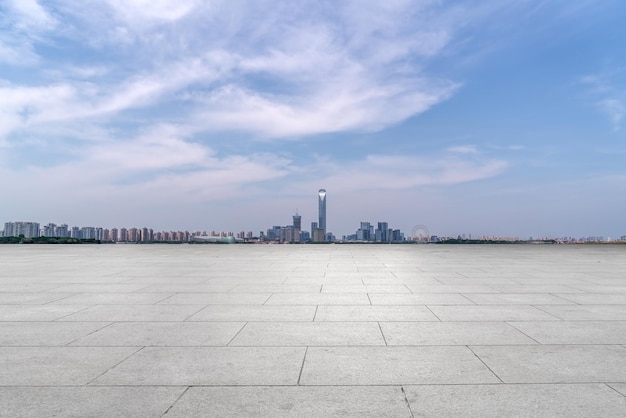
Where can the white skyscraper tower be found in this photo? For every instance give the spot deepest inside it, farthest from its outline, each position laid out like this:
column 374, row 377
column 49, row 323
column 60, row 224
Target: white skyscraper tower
column 322, row 209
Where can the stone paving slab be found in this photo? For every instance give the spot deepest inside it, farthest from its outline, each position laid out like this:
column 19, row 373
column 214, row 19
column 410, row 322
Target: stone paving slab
column 492, row 313
column 375, row 313
column 292, row 401
column 531, row 401
column 164, row 334
column 452, row 333
column 254, row 313
column 574, row 332
column 87, row 402
column 555, row 363
column 191, row 366
column 393, row 366
column 309, row 334
column 57, row 366
column 46, row 334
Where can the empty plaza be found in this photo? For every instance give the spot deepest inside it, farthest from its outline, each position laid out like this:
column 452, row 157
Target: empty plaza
column 312, row 330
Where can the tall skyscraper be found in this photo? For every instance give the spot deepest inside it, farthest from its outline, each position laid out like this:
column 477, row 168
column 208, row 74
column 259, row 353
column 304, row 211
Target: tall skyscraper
column 322, row 209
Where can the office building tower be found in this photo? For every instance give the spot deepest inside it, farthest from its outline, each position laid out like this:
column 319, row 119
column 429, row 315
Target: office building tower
column 322, row 209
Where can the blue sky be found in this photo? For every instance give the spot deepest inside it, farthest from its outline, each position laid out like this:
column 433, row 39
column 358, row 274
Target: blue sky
column 475, row 117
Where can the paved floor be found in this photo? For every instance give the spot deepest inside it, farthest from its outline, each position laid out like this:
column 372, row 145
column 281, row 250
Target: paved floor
column 327, row 330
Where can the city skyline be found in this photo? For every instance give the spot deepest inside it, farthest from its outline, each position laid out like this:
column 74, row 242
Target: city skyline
column 475, row 117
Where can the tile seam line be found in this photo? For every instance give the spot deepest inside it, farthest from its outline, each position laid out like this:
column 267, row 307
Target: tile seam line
column 114, row 366
column 615, row 390
column 306, row 350
column 519, row 330
column 406, row 400
column 175, row 401
column 485, row 364
column 91, row 333
column 236, row 334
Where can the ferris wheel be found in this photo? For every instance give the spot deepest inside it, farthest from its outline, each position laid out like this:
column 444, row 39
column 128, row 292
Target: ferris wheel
column 420, row 233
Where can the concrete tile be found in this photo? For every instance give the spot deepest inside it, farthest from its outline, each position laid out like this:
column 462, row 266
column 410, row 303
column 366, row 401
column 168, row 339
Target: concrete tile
column 393, row 366
column 45, row 333
column 548, row 288
column 574, row 332
column 491, row 313
column 111, row 299
column 117, row 313
column 208, row 366
column 292, row 401
column 600, row 288
column 559, row 400
column 56, row 366
column 372, row 288
column 30, row 298
column 37, row 312
column 170, row 334
column 517, row 299
column 421, row 299
column 354, row 280
column 22, row 287
column 277, row 288
column 216, row 299
column 441, row 288
column 188, row 288
column 287, row 334
column 254, row 313
column 555, row 363
column 375, row 313
column 586, row 312
column 318, row 299
column 99, row 288
column 452, row 333
column 87, row 402
column 595, row 298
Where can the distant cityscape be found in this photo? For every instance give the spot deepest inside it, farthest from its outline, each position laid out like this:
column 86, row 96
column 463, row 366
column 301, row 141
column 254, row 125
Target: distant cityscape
column 289, row 234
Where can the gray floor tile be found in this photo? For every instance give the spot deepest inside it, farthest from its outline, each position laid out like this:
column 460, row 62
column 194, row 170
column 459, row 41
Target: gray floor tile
column 567, row 401
column 595, row 298
column 574, row 332
column 517, row 299
column 134, row 313
column 45, row 333
column 56, row 366
column 254, row 313
column 441, row 288
column 87, row 402
column 98, row 288
column 37, row 312
column 491, row 313
column 188, row 288
column 452, row 333
column 277, row 288
column 547, row 288
column 372, row 288
column 421, row 299
column 111, row 299
column 393, row 366
column 286, row 334
column 318, row 299
column 30, row 298
column 375, row 313
column 170, row 334
column 216, row 299
column 262, row 401
column 555, row 363
column 208, row 366
column 586, row 312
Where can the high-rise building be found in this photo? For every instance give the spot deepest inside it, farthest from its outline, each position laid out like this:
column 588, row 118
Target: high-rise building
column 322, row 209
column 15, row 229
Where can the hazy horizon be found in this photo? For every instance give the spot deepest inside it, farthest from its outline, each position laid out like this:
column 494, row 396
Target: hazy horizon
column 475, row 117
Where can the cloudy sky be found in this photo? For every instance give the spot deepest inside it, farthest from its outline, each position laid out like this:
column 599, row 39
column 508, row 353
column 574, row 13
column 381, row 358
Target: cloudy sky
column 477, row 117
